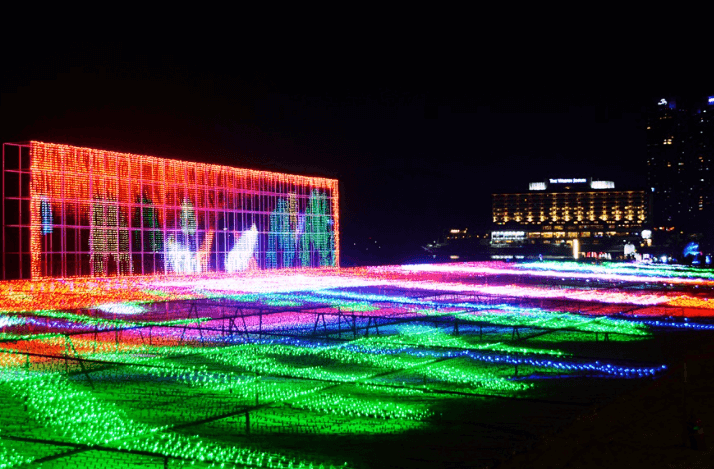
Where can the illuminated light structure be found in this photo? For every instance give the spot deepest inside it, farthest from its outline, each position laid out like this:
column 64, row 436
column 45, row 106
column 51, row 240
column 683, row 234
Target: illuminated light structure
column 72, row 211
column 558, row 216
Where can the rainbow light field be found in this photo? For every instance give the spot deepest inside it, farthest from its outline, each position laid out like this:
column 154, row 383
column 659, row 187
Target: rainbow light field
column 228, row 370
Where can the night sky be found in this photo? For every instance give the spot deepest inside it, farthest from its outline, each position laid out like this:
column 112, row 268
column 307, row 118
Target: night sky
column 418, row 144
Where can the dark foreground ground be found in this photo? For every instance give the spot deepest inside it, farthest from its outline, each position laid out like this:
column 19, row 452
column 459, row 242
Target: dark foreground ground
column 646, row 427
column 578, row 424
column 581, row 424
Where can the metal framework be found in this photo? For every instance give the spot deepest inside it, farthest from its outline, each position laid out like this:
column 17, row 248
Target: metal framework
column 72, row 211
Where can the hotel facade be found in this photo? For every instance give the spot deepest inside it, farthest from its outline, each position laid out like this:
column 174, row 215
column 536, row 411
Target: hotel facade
column 571, row 217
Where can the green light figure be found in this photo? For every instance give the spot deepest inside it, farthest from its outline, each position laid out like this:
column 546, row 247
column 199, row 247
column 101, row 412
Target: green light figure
column 188, row 224
column 153, row 239
column 281, row 237
column 109, row 238
column 148, row 237
column 318, row 232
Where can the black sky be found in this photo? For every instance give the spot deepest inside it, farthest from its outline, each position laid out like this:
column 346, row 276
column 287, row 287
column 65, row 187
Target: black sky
column 418, row 143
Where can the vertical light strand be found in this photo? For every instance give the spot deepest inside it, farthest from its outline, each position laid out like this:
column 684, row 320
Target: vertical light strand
column 336, row 219
column 36, row 155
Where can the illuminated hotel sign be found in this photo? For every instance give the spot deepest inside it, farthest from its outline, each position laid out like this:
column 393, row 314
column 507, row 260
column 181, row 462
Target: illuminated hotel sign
column 711, row 99
column 662, row 102
column 602, row 185
column 568, row 181
column 541, row 186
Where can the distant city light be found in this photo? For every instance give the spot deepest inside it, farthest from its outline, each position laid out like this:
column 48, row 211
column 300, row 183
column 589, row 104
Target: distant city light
column 691, row 249
column 510, row 235
column 629, row 249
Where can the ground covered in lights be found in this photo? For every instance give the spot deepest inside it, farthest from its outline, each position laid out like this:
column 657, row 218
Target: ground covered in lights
column 448, row 365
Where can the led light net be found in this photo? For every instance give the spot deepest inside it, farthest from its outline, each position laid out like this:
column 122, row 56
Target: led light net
column 99, row 213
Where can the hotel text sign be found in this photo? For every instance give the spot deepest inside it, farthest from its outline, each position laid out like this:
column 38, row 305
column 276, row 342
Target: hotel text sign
column 568, row 181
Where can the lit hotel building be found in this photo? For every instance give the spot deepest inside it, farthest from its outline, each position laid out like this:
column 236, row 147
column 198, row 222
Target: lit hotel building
column 569, row 218
column 71, row 211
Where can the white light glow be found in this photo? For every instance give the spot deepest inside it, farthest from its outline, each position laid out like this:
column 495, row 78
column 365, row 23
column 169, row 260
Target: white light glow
column 240, row 256
column 121, row 308
column 602, row 184
column 576, row 249
column 179, row 258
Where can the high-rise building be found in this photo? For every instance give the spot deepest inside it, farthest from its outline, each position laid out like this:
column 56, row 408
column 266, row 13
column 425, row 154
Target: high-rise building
column 680, row 163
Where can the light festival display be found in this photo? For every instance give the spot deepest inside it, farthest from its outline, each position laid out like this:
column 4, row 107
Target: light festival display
column 74, row 211
column 176, row 311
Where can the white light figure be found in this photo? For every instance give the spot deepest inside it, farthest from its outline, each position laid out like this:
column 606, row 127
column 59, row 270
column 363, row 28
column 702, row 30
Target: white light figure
column 180, row 258
column 121, row 308
column 239, row 257
column 299, row 230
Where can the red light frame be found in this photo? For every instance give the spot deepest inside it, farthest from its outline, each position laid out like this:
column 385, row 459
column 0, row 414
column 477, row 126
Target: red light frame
column 75, row 180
